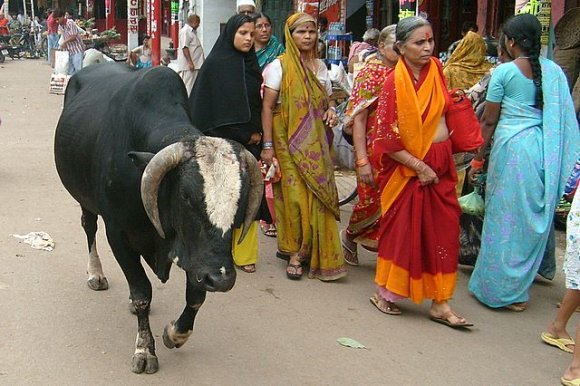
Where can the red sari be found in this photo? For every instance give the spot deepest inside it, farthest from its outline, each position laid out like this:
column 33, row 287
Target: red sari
column 419, row 232
column 363, row 227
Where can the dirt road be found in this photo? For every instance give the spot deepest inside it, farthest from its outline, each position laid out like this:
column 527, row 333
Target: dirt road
column 266, row 331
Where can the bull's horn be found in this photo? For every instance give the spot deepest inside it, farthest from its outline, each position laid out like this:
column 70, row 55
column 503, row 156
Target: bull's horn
column 165, row 160
column 256, row 191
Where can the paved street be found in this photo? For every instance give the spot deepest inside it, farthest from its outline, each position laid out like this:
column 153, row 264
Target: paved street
column 266, row 331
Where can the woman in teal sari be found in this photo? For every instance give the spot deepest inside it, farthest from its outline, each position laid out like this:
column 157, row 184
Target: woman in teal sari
column 267, row 46
column 529, row 113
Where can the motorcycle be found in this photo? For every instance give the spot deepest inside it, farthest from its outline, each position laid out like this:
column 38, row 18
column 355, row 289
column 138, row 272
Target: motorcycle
column 4, row 39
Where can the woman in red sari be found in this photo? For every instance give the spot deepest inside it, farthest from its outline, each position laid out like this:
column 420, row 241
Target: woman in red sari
column 363, row 227
column 419, row 231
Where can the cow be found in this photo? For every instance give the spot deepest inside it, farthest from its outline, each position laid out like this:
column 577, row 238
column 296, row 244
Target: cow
column 126, row 150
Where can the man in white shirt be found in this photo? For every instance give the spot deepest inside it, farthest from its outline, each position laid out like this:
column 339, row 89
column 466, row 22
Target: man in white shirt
column 190, row 55
column 247, row 7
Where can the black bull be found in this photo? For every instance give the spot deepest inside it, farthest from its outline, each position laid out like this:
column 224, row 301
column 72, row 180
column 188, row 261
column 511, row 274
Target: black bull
column 125, row 149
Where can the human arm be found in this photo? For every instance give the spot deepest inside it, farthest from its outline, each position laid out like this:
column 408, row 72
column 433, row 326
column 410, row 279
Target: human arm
column 359, row 137
column 424, row 172
column 269, row 101
column 187, row 56
column 488, row 124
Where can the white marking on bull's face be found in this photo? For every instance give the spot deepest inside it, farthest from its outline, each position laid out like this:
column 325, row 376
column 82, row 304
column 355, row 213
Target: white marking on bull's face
column 222, row 184
column 223, row 271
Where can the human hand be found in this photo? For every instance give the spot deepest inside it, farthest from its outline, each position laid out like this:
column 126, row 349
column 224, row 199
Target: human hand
column 473, row 175
column 426, row 175
column 267, row 155
column 365, row 174
column 330, row 118
column 191, row 67
column 255, row 139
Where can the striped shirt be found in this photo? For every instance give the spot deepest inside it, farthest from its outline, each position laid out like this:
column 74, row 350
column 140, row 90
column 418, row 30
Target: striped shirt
column 76, row 45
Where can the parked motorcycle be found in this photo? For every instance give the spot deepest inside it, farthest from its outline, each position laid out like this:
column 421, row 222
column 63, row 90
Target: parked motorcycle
column 4, row 39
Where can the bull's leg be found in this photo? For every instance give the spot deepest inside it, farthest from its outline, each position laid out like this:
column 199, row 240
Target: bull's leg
column 97, row 280
column 177, row 332
column 144, row 358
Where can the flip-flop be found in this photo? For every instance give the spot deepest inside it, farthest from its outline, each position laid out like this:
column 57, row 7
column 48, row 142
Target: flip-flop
column 561, row 343
column 570, row 382
column 445, row 320
column 283, row 255
column 269, row 230
column 295, row 275
column 390, row 310
column 248, row 268
column 350, row 256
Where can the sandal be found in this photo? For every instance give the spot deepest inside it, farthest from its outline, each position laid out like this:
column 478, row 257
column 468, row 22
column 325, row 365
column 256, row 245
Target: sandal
column 385, row 306
column 350, row 255
column 249, row 268
column 446, row 320
column 269, row 230
column 294, row 271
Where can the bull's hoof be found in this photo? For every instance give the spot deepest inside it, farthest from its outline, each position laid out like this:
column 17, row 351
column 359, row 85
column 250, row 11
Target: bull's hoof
column 172, row 338
column 98, row 283
column 166, row 339
column 144, row 362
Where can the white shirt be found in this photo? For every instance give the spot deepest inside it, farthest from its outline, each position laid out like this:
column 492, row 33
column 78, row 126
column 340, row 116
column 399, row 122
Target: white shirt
column 188, row 38
column 273, row 76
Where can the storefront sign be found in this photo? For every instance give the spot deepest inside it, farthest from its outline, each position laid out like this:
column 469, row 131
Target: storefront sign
column 330, row 9
column 407, row 8
column 132, row 23
column 542, row 9
column 155, row 31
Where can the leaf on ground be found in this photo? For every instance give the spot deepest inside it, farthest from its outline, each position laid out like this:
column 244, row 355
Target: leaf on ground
column 349, row 342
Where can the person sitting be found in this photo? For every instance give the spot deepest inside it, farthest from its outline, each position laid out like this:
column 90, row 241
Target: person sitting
column 140, row 56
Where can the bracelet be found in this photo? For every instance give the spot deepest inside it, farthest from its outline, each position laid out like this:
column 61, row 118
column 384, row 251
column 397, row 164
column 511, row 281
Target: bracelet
column 361, row 162
column 332, row 108
column 267, row 145
column 477, row 164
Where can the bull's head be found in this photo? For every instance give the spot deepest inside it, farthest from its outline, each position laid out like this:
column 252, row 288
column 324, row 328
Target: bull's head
column 216, row 186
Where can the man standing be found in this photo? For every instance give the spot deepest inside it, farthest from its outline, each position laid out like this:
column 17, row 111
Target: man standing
column 52, row 38
column 72, row 42
column 246, row 7
column 190, row 54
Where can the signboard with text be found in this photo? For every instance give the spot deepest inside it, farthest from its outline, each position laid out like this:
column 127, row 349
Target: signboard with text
column 330, row 9
column 132, row 23
column 407, row 8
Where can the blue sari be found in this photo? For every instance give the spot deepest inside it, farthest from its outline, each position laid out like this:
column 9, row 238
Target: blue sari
column 532, row 156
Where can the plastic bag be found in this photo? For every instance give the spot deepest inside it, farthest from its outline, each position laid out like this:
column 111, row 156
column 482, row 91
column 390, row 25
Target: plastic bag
column 61, row 62
column 343, row 151
column 472, row 203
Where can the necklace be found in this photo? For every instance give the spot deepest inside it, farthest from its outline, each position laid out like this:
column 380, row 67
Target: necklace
column 523, row 57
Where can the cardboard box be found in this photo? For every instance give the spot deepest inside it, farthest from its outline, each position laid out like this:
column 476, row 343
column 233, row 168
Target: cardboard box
column 58, row 83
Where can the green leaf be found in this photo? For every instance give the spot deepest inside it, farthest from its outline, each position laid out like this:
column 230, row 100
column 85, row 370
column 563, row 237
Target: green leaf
column 349, row 342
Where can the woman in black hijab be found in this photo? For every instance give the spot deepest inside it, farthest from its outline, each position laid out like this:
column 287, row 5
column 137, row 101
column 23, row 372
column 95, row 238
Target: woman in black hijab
column 225, row 102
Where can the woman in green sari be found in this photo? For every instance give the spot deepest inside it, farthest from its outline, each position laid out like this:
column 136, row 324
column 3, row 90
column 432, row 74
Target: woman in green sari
column 296, row 119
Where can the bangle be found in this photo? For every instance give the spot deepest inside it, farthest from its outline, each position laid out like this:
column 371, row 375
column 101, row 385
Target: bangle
column 332, row 108
column 477, row 164
column 361, row 162
column 267, row 145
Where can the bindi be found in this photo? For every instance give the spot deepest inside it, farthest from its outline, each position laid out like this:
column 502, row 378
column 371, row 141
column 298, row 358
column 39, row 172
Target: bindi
column 428, row 35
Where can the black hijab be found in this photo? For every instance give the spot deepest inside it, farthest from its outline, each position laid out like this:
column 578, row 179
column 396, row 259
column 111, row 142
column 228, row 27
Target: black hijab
column 225, row 101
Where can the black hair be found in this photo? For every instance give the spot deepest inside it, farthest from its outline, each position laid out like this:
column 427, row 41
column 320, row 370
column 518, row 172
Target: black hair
column 260, row 15
column 322, row 21
column 57, row 13
column 469, row 26
column 526, row 31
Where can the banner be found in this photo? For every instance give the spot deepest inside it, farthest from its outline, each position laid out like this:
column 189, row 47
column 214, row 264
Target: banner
column 407, row 8
column 132, row 24
column 542, row 9
column 330, row 9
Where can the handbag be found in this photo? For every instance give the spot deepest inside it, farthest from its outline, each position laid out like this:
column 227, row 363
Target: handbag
column 464, row 128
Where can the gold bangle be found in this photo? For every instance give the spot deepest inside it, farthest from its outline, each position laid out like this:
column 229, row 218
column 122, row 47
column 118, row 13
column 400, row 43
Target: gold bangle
column 362, row 162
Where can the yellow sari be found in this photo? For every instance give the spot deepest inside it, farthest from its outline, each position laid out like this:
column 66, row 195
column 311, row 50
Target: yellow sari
column 306, row 199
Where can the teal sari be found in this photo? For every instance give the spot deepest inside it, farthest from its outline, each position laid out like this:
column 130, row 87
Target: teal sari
column 269, row 52
column 533, row 154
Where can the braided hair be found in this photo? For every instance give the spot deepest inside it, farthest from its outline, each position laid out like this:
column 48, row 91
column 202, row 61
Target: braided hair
column 526, row 30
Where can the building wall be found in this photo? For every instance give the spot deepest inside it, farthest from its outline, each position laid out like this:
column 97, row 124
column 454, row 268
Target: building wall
column 213, row 13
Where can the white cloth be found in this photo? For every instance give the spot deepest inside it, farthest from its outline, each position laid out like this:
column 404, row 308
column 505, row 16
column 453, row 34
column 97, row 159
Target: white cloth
column 273, row 76
column 572, row 257
column 188, row 38
column 245, row 2
column 188, row 78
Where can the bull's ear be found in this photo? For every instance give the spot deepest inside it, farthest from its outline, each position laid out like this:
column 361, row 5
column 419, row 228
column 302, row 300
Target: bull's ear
column 140, row 159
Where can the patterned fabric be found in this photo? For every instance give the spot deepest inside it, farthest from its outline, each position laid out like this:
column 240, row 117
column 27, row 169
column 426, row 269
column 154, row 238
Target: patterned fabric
column 75, row 46
column 467, row 64
column 572, row 258
column 419, row 231
column 306, row 199
column 532, row 156
column 364, row 222
column 269, row 52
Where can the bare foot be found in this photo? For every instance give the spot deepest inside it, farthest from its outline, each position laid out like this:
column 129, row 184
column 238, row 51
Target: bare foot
column 571, row 373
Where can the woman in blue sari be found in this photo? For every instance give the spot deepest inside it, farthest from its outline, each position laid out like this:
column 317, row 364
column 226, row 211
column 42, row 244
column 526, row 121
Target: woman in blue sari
column 530, row 114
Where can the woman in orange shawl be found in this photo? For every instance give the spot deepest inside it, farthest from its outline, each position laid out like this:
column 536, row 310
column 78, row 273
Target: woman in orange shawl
column 363, row 227
column 296, row 121
column 419, row 232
